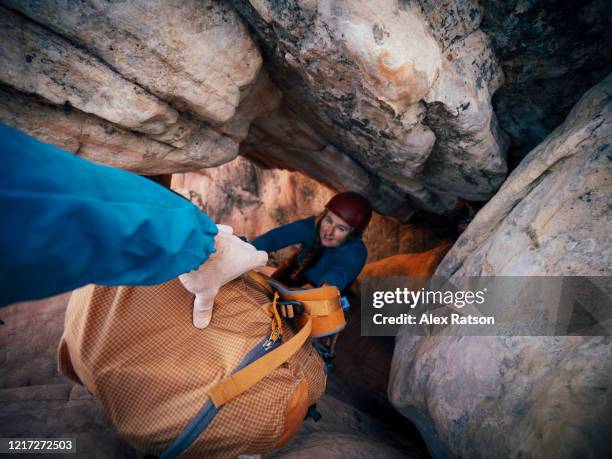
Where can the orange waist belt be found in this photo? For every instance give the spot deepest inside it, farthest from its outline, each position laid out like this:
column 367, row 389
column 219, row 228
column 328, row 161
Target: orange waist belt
column 320, row 305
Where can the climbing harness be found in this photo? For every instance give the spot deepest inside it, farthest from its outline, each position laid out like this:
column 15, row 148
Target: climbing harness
column 323, row 306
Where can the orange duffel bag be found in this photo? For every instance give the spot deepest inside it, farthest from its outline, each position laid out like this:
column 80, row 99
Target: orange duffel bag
column 242, row 385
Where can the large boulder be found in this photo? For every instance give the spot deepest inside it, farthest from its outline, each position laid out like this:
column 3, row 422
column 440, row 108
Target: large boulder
column 158, row 87
column 525, row 396
column 345, row 431
column 158, row 46
column 104, row 142
column 375, row 81
column 552, row 215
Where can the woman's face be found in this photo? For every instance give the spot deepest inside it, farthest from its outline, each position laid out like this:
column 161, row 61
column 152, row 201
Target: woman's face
column 333, row 230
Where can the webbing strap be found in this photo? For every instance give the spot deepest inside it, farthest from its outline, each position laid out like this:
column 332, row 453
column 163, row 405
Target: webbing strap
column 243, row 380
column 317, row 302
column 208, row 412
column 321, row 307
column 190, row 433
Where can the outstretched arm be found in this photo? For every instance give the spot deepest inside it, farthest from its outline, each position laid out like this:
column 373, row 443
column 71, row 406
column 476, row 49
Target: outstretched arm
column 298, row 232
column 67, row 222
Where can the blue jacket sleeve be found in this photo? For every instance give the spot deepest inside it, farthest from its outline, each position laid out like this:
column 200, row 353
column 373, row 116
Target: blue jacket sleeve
column 298, row 232
column 345, row 271
column 67, row 222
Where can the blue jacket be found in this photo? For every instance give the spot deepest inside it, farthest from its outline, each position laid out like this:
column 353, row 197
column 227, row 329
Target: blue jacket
column 67, row 222
column 338, row 266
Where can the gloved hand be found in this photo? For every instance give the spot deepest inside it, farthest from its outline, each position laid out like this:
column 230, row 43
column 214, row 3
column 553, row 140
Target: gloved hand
column 233, row 257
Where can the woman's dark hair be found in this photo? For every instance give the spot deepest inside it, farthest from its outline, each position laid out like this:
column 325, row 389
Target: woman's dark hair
column 291, row 272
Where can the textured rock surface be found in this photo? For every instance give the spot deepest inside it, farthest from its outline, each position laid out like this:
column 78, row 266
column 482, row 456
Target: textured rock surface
column 371, row 78
column 525, row 396
column 408, row 264
column 346, row 432
column 35, row 401
column 551, row 54
column 552, row 215
column 142, row 68
column 104, row 142
column 156, row 45
column 391, row 98
column 253, row 200
column 506, row 397
column 39, row 62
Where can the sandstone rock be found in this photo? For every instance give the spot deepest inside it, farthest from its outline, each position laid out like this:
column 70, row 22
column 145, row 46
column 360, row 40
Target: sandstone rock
column 39, row 62
column 451, row 20
column 346, row 432
column 103, row 142
column 372, row 81
column 261, row 98
column 408, row 264
column 524, row 396
column 386, row 237
column 552, row 215
column 506, row 397
column 253, row 200
column 41, row 411
column 28, row 342
column 282, row 140
column 195, row 55
column 250, row 199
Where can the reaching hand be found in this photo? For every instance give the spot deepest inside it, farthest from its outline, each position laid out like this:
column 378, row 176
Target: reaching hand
column 233, row 257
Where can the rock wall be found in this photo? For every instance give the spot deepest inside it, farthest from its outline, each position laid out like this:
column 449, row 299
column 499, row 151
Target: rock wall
column 377, row 83
column 551, row 54
column 525, row 396
column 129, row 84
column 392, row 98
column 253, row 200
column 552, row 215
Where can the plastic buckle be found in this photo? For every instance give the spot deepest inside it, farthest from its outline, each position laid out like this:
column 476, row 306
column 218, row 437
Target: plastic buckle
column 290, row 308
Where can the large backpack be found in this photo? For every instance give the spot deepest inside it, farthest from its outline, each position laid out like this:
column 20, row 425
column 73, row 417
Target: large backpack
column 169, row 388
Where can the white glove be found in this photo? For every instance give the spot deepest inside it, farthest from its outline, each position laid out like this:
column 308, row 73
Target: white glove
column 233, row 257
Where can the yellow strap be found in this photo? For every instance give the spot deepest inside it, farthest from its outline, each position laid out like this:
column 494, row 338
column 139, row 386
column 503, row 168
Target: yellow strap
column 250, row 375
column 277, row 324
column 321, row 307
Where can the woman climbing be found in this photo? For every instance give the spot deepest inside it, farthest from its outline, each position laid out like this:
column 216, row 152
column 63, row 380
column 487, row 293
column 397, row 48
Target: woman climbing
column 332, row 250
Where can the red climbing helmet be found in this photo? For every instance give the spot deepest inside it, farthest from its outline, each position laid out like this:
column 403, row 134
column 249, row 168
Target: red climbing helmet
column 351, row 207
